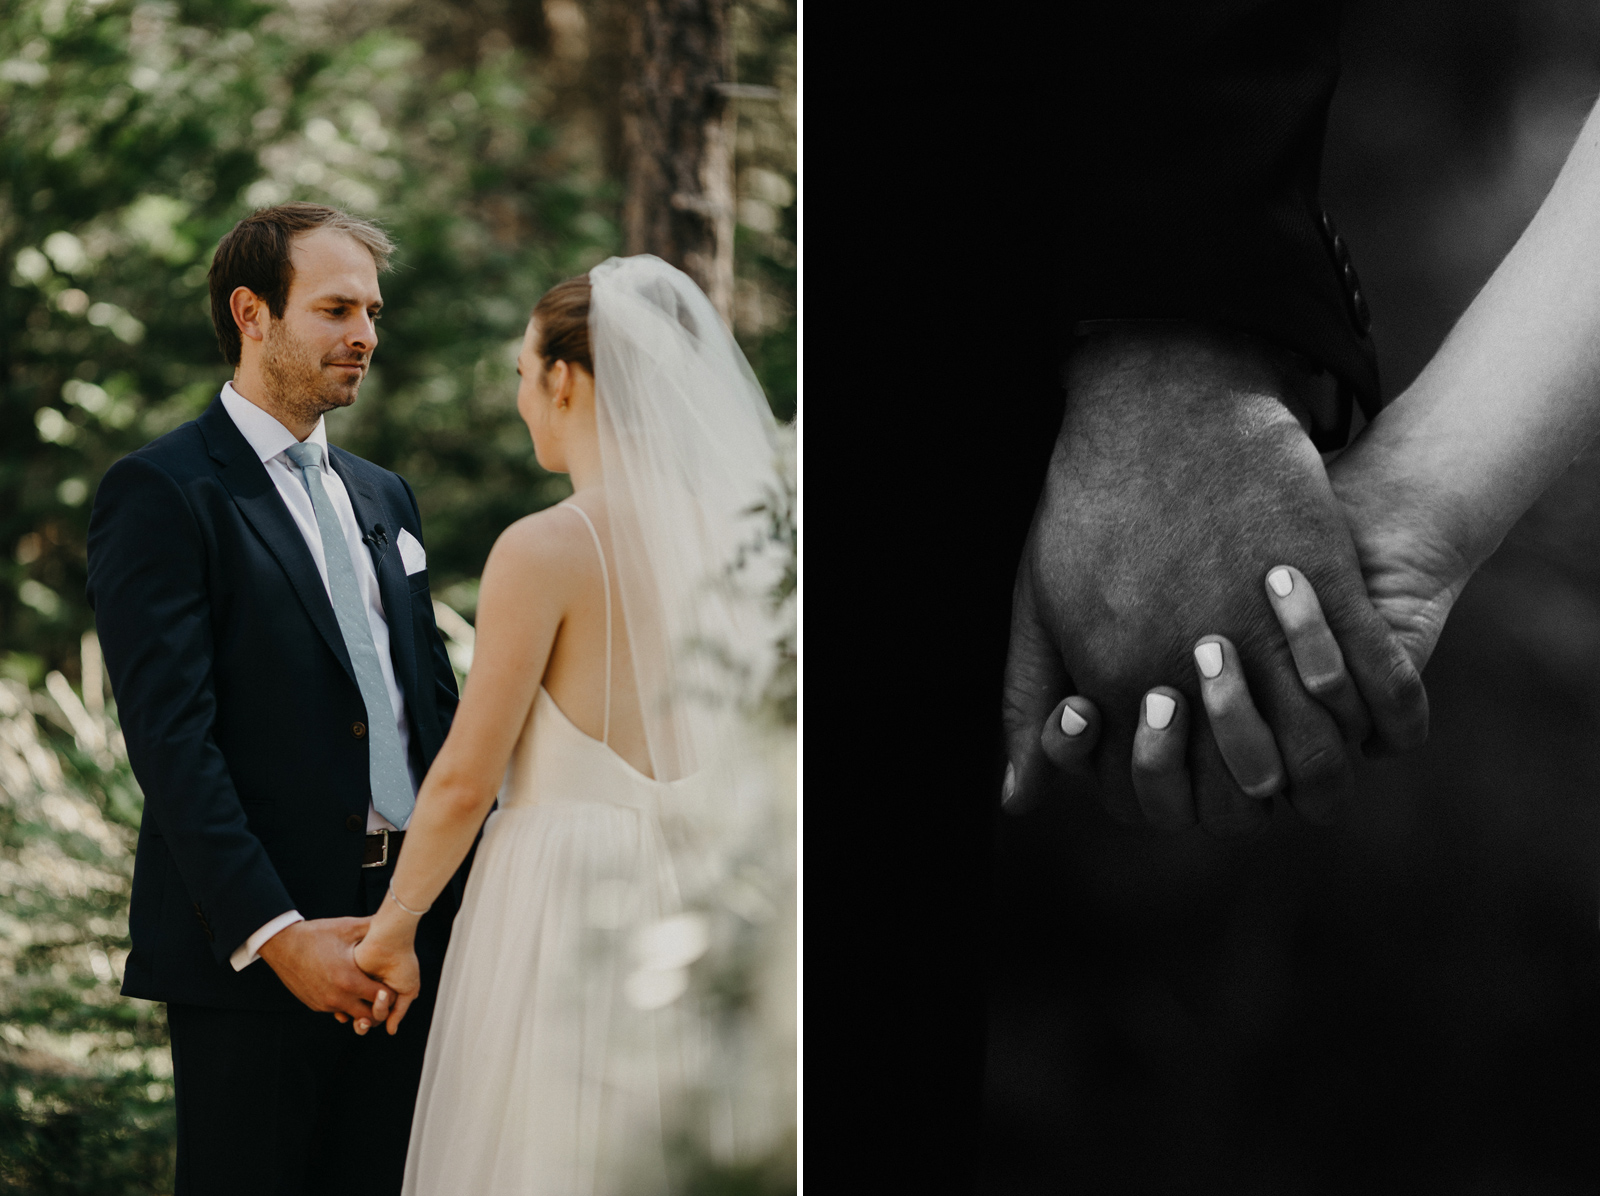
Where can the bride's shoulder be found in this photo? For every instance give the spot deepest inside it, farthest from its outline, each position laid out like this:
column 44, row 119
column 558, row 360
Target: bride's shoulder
column 547, row 542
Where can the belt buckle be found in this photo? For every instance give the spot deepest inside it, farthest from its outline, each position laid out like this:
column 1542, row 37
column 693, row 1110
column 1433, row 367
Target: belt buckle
column 383, row 857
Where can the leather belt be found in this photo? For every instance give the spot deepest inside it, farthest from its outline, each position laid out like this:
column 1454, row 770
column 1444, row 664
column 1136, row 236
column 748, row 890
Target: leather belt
column 383, row 847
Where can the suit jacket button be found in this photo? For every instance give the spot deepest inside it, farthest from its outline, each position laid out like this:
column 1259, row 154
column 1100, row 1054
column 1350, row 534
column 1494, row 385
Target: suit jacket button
column 359, row 730
column 355, row 823
column 1363, row 312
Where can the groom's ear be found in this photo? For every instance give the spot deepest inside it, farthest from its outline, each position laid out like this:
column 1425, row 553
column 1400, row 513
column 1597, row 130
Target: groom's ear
column 250, row 313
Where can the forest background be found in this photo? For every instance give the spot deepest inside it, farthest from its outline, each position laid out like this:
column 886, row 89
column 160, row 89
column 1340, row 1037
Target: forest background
column 489, row 137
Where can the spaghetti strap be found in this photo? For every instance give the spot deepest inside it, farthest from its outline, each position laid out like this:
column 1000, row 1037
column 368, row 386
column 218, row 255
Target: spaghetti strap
column 605, row 580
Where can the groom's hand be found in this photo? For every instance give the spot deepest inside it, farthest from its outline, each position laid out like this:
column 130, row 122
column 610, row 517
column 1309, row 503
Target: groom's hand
column 1181, row 475
column 315, row 960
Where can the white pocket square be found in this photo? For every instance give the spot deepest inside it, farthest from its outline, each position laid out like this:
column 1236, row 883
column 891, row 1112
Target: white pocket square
column 412, row 554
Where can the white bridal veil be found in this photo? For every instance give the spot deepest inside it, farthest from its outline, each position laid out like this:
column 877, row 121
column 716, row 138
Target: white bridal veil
column 689, row 451
column 688, row 448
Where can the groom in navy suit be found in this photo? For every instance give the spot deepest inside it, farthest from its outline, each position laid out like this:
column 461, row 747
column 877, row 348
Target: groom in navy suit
column 263, row 604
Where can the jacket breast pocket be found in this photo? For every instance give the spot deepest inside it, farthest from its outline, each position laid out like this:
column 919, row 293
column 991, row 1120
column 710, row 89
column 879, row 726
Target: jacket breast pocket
column 418, row 581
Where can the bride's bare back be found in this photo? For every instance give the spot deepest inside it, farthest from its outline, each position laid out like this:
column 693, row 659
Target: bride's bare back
column 576, row 674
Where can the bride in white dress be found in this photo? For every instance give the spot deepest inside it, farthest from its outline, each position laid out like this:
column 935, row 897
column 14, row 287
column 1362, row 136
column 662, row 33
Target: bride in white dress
column 561, row 1053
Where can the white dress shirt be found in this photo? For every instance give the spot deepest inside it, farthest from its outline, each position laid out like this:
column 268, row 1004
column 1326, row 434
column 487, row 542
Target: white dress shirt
column 270, row 440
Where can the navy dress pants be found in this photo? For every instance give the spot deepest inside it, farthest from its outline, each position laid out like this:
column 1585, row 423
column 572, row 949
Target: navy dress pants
column 291, row 1103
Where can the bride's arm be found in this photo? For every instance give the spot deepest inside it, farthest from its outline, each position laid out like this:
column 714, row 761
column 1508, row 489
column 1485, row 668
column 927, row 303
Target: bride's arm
column 1507, row 402
column 521, row 602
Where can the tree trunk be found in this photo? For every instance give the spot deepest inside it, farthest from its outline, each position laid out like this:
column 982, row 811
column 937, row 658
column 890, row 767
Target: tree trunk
column 677, row 141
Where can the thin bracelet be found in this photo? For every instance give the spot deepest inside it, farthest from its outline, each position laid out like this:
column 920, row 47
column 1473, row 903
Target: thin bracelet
column 415, row 913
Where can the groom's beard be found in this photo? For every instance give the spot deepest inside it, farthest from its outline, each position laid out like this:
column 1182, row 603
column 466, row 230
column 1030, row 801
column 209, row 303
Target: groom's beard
column 300, row 381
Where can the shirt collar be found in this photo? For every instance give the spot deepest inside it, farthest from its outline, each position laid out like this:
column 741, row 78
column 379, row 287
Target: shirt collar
column 266, row 435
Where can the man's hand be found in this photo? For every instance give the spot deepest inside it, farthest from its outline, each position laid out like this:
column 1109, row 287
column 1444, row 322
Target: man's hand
column 315, row 960
column 1181, row 475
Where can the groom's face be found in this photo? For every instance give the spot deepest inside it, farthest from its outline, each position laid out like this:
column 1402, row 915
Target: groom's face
column 315, row 357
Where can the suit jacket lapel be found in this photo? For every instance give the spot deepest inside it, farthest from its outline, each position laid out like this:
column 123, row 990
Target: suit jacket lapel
column 258, row 501
column 393, row 588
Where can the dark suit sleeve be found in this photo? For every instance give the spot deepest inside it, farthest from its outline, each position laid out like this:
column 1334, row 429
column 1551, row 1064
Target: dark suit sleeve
column 444, row 674
column 147, row 585
column 1188, row 172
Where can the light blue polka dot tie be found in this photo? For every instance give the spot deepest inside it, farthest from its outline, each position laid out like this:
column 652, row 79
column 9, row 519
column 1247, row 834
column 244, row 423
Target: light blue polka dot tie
column 391, row 786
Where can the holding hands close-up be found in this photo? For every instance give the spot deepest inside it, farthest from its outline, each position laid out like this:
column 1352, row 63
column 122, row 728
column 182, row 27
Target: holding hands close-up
column 1307, row 600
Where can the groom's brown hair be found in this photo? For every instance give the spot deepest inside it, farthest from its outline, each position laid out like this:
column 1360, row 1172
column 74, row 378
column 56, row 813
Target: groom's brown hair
column 255, row 254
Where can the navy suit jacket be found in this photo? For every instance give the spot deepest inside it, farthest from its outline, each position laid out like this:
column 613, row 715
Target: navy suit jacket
column 243, row 719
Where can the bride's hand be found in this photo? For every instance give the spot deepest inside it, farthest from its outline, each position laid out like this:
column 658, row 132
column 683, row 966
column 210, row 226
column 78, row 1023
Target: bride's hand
column 1408, row 539
column 1160, row 766
column 393, row 964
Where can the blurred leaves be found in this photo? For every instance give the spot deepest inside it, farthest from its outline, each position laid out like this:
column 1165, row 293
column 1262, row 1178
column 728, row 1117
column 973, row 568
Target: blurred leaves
column 145, row 133
column 85, row 1075
column 136, row 134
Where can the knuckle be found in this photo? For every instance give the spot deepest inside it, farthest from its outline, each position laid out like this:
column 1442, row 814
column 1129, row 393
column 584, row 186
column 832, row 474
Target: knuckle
column 1319, row 763
column 1402, row 686
column 1319, row 766
column 1326, row 685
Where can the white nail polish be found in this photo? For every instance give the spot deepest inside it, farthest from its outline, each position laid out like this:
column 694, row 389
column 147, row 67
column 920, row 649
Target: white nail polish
column 1158, row 710
column 1209, row 657
column 1072, row 723
column 1010, row 786
column 1282, row 582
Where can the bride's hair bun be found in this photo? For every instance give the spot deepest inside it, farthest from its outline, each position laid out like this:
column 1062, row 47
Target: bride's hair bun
column 563, row 318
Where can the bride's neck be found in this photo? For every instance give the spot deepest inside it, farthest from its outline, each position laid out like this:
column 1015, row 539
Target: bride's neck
column 583, row 466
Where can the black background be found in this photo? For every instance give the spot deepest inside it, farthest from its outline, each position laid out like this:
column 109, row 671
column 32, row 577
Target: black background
column 1407, row 1002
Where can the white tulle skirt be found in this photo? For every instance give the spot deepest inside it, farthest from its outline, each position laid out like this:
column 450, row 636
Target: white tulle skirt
column 549, row 1055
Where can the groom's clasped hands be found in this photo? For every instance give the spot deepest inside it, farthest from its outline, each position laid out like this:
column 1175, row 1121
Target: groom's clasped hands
column 1181, row 484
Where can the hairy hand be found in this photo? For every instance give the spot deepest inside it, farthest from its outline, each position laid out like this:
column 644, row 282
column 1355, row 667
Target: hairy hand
column 1181, row 475
column 315, row 960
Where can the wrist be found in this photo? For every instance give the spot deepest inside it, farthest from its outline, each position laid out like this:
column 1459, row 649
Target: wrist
column 281, row 943
column 393, row 927
column 1175, row 359
column 1402, row 499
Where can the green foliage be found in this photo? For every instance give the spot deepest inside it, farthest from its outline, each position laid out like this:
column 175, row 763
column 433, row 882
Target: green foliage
column 766, row 242
column 85, row 1075
column 136, row 135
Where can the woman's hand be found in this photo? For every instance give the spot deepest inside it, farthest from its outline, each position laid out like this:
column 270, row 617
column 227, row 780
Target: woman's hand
column 392, row 961
column 1408, row 537
column 1161, row 777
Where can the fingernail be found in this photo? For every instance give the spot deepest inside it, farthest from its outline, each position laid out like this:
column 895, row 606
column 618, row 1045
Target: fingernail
column 1072, row 723
column 1209, row 657
column 1281, row 581
column 363, row 1025
column 1010, row 786
column 1158, row 710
